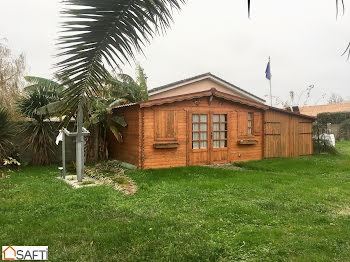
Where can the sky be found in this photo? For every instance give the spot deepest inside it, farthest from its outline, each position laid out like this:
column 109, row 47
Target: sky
column 303, row 38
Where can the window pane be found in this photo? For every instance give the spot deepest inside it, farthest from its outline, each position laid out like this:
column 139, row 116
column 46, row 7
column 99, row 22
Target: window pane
column 223, row 126
column 195, row 136
column 249, row 130
column 204, row 118
column 204, row 136
column 195, row 118
column 223, row 135
column 195, row 145
column 216, row 135
column 223, row 143
column 216, row 118
column 249, row 123
column 195, row 127
column 204, row 144
column 204, row 127
column 216, row 144
column 249, row 116
column 223, row 118
column 216, row 127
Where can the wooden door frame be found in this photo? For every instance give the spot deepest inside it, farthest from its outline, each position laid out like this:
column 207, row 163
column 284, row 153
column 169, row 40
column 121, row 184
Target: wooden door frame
column 189, row 133
column 210, row 148
column 228, row 122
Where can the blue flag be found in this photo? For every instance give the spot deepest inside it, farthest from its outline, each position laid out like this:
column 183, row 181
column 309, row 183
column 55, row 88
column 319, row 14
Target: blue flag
column 268, row 71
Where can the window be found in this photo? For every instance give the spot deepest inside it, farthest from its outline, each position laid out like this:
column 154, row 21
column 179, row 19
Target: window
column 219, row 131
column 250, row 123
column 199, row 131
column 165, row 125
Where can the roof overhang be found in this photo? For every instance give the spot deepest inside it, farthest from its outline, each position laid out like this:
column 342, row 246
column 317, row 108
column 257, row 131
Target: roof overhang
column 208, row 93
column 292, row 113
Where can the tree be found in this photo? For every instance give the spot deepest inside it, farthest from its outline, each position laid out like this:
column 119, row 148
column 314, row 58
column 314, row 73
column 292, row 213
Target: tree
column 118, row 90
column 103, row 31
column 125, row 87
column 38, row 130
column 295, row 99
column 335, row 99
column 11, row 76
column 115, row 91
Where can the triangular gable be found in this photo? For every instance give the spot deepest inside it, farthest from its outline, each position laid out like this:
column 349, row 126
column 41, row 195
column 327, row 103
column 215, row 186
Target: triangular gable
column 207, row 93
column 189, row 83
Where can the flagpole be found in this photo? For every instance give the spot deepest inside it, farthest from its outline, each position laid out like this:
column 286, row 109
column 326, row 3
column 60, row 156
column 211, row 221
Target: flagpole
column 270, row 83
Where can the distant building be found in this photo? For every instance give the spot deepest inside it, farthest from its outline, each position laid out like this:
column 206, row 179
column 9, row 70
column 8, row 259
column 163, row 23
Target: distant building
column 331, row 108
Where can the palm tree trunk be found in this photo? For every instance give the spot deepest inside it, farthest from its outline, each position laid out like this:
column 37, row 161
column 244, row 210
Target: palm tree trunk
column 80, row 142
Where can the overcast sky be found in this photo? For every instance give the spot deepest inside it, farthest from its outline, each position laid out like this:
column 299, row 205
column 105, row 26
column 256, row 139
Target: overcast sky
column 303, row 38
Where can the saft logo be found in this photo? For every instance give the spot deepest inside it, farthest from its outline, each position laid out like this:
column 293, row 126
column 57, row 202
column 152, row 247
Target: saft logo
column 24, row 253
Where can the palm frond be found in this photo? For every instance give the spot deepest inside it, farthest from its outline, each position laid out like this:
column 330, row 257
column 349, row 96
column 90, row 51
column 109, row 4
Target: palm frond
column 347, row 51
column 105, row 30
column 119, row 120
column 337, row 7
column 37, row 82
column 116, row 133
column 127, row 79
column 248, row 8
column 51, row 108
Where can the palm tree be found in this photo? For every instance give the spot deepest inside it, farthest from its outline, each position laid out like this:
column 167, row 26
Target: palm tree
column 128, row 89
column 38, row 130
column 116, row 91
column 104, row 30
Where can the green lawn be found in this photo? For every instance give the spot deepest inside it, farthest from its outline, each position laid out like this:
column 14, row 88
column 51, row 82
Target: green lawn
column 274, row 210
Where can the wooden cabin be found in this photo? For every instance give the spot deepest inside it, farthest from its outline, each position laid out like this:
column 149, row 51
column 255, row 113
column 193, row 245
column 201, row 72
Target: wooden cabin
column 208, row 127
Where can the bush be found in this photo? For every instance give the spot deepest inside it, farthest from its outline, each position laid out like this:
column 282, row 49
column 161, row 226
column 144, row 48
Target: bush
column 334, row 118
column 322, row 146
column 344, row 130
column 7, row 132
column 39, row 131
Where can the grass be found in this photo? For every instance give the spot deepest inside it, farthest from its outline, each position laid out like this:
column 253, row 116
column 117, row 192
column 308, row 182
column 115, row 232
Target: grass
column 273, row 210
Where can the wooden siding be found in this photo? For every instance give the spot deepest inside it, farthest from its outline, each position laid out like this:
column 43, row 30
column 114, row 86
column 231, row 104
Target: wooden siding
column 129, row 150
column 184, row 154
column 287, row 135
column 152, row 129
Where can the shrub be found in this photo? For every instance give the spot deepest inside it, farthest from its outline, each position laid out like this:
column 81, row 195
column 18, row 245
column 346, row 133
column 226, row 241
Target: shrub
column 322, row 146
column 38, row 130
column 334, row 118
column 7, row 132
column 344, row 130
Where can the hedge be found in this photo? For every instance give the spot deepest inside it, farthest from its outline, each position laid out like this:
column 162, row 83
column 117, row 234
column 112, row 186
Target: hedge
column 333, row 118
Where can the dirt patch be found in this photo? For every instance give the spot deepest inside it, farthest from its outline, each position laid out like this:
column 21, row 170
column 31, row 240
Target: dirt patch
column 226, row 166
column 111, row 173
column 120, row 183
column 345, row 211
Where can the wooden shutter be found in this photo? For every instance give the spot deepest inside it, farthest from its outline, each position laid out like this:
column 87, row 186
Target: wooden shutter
column 242, row 123
column 257, row 123
column 165, row 125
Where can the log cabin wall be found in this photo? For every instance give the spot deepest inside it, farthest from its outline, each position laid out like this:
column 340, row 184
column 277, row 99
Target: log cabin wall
column 287, row 135
column 168, row 133
column 208, row 130
column 128, row 151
